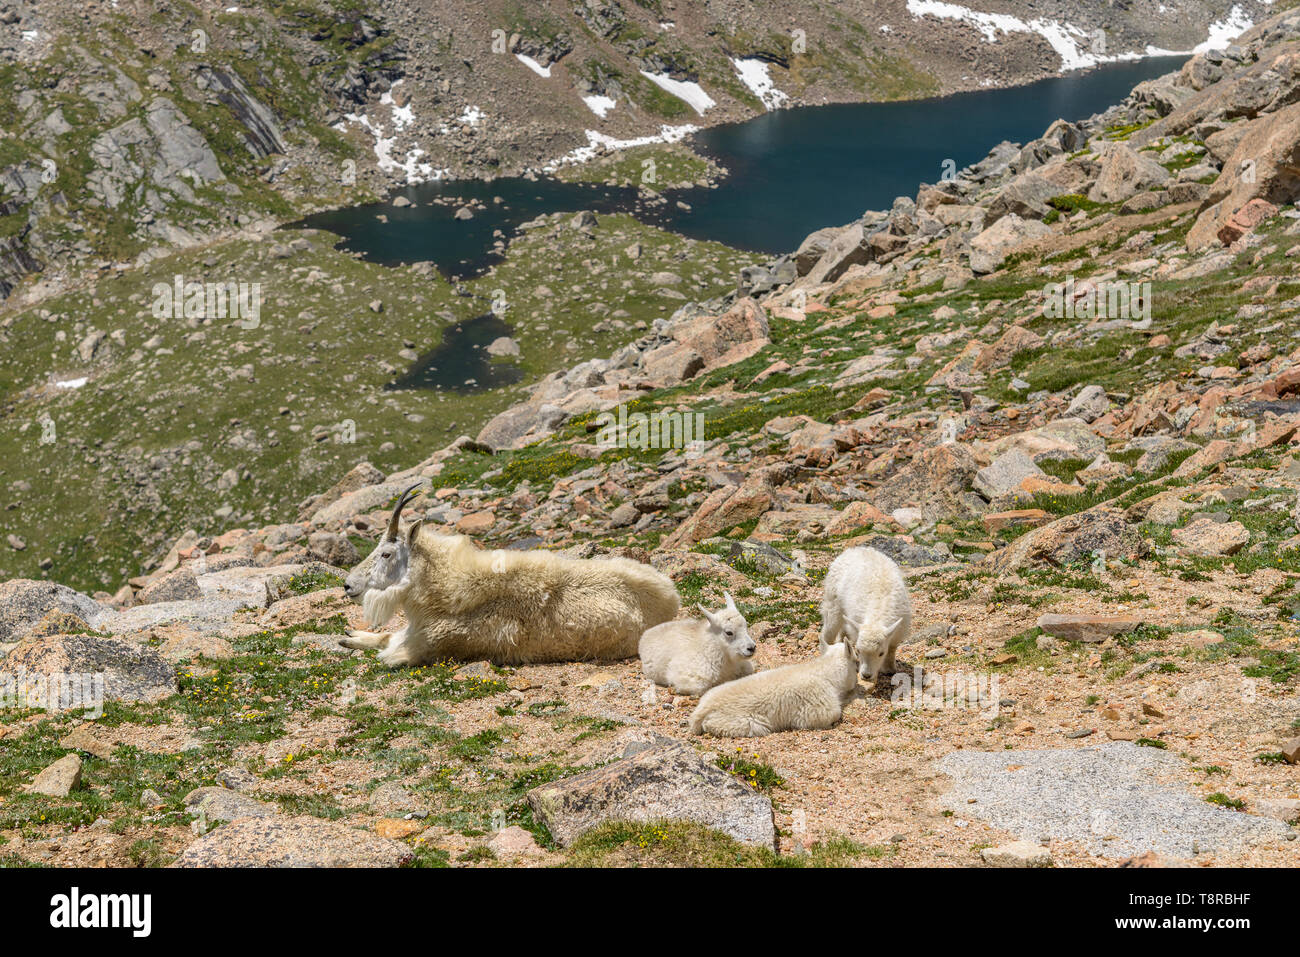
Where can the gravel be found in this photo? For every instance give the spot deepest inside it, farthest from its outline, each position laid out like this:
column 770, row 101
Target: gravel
column 1089, row 794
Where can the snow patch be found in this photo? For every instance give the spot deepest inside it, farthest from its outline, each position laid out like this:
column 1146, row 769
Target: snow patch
column 71, row 383
column 1064, row 38
column 1074, row 46
column 754, row 74
column 1223, row 32
column 472, row 116
column 600, row 105
column 386, row 146
column 598, row 142
column 533, row 65
column 691, row 93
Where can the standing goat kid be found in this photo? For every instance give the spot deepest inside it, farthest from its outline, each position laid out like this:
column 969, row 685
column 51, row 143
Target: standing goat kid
column 690, row 657
column 510, row 607
column 866, row 601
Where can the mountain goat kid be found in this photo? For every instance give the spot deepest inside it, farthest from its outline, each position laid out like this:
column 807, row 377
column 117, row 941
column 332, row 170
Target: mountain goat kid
column 511, row 607
column 690, row 657
column 810, row 694
column 865, row 599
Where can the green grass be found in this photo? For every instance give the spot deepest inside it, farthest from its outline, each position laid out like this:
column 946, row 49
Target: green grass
column 625, row 844
column 757, row 774
column 111, row 453
column 1222, row 800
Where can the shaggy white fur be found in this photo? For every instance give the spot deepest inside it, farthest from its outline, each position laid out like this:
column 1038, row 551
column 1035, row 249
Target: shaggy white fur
column 509, row 607
column 690, row 657
column 810, row 694
column 866, row 602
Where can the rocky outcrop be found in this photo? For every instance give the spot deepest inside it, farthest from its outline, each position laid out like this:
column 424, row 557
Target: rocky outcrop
column 667, row 782
column 57, row 664
column 139, row 158
column 23, row 603
column 263, row 135
column 1075, row 538
column 292, row 842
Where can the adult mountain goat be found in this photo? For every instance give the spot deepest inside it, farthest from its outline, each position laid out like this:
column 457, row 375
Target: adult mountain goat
column 510, row 607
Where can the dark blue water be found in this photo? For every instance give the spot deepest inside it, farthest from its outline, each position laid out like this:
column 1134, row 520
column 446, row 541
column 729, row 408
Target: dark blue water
column 460, row 362
column 790, row 172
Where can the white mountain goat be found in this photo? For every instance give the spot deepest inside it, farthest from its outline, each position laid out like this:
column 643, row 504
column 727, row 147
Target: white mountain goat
column 692, row 656
column 511, row 607
column 810, row 694
column 865, row 600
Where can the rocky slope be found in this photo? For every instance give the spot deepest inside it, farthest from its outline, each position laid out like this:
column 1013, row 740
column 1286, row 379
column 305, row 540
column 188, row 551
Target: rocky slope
column 130, row 128
column 1060, row 389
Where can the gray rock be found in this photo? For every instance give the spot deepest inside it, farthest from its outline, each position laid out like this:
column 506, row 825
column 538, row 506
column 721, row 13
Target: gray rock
column 222, row 804
column 1092, row 628
column 668, row 782
column 813, row 248
column 1026, row 196
column 848, row 248
column 624, row 515
column 163, row 149
column 292, row 842
column 249, row 586
column 262, row 135
column 1115, row 790
column 1064, row 438
column 206, row 614
column 1207, row 537
column 1125, row 172
column 179, row 585
column 1073, row 538
column 129, row 673
column 60, row 779
column 990, row 248
column 1090, row 404
column 23, row 603
column 362, row 475
column 332, row 549
column 1017, row 854
column 910, row 554
column 503, row 346
column 765, row 556
column 1157, row 450
column 1002, row 477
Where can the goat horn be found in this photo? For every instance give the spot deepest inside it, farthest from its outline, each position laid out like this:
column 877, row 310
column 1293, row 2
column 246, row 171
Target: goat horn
column 397, row 511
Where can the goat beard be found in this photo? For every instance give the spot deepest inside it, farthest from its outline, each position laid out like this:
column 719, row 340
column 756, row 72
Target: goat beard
column 380, row 605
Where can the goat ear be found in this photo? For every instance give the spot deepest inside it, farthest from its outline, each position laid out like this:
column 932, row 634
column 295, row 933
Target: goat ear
column 413, row 531
column 707, row 614
column 891, row 630
column 730, row 602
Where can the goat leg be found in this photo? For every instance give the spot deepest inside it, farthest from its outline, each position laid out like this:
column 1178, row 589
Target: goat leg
column 365, row 640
